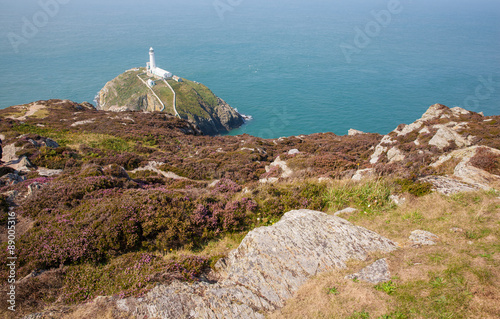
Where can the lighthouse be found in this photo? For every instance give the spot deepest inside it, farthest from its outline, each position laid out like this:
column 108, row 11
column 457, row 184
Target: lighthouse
column 152, row 62
column 152, row 69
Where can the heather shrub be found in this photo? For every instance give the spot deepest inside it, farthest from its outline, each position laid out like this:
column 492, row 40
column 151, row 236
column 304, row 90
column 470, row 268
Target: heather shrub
column 324, row 164
column 66, row 192
column 486, row 160
column 226, row 186
column 187, row 268
column 53, row 158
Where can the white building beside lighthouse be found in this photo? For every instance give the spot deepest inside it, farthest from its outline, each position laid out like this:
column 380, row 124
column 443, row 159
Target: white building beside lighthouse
column 152, row 69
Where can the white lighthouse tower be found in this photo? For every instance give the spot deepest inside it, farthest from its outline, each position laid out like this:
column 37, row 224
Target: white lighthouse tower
column 152, row 62
column 152, row 69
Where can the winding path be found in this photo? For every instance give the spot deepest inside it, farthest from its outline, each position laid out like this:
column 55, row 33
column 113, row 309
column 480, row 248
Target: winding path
column 163, row 108
column 174, row 102
column 175, row 98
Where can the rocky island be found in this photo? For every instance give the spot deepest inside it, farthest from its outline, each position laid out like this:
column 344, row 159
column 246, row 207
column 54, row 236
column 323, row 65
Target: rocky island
column 142, row 89
column 140, row 215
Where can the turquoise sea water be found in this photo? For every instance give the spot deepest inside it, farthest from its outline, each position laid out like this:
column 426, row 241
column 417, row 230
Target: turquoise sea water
column 296, row 66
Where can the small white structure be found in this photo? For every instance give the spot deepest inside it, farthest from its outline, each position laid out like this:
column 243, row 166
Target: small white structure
column 151, row 83
column 176, row 78
column 153, row 70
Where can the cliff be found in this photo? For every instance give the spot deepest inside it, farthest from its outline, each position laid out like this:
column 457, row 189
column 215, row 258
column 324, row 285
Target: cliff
column 192, row 101
column 139, row 215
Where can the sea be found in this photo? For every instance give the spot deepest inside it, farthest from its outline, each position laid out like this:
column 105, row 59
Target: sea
column 292, row 66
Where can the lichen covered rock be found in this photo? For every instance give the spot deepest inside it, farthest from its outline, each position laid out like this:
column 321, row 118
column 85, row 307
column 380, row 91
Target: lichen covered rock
column 265, row 270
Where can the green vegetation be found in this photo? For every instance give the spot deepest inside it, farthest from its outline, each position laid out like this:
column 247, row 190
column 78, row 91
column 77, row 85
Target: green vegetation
column 193, row 99
column 371, row 197
column 126, row 90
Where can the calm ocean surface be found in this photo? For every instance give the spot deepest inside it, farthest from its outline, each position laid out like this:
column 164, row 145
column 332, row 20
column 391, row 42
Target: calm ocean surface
column 297, row 67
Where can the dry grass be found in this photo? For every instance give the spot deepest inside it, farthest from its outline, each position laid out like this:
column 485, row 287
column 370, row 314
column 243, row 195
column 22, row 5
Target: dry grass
column 457, row 278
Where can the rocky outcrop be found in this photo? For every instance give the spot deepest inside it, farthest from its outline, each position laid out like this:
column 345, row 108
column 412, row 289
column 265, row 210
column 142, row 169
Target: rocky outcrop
column 466, row 177
column 353, row 132
column 448, row 186
column 222, row 119
column 442, row 123
column 265, row 270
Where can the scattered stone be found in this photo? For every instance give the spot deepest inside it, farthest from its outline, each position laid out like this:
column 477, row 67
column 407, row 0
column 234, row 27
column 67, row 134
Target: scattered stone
column 362, row 173
column 51, row 143
column 9, row 153
column 269, row 180
column 398, row 200
column 423, row 238
column 323, row 179
column 285, row 171
column 395, row 155
column 348, row 210
column 42, row 171
column 266, row 269
column 293, row 151
column 83, row 122
column 456, row 230
column 212, row 184
column 353, row 132
column 33, row 187
column 448, row 186
column 375, row 273
column 153, row 166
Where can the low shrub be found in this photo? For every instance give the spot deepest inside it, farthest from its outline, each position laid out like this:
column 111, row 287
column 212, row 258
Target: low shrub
column 486, row 160
column 414, row 187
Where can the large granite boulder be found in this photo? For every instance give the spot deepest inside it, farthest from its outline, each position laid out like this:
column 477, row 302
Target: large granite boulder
column 266, row 269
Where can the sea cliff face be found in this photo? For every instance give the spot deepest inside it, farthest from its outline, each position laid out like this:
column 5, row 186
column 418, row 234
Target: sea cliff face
column 192, row 101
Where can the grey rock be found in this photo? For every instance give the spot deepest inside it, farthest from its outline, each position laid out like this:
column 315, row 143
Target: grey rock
column 266, row 269
column 375, row 273
column 348, row 210
column 423, row 238
column 353, row 132
column 444, row 136
column 33, row 187
column 49, row 172
column 293, row 151
column 362, row 174
column 51, row 143
column 448, row 186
